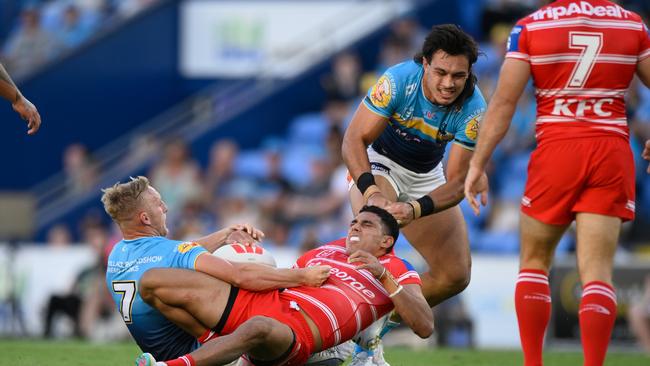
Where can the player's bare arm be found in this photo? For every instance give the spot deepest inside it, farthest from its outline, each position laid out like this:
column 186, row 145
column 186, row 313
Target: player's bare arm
column 409, row 302
column 447, row 195
column 646, row 154
column 643, row 72
column 258, row 277
column 512, row 81
column 413, row 309
column 20, row 104
column 240, row 233
column 8, row 89
column 365, row 127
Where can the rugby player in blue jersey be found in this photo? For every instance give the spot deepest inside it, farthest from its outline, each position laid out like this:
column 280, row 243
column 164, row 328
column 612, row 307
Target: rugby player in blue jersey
column 140, row 213
column 394, row 149
column 25, row 109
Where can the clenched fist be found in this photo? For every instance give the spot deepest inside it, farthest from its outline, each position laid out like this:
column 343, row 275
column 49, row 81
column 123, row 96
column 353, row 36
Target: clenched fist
column 315, row 276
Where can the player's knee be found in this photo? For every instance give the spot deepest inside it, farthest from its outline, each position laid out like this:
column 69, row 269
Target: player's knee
column 460, row 281
column 256, row 330
column 147, row 286
column 455, row 279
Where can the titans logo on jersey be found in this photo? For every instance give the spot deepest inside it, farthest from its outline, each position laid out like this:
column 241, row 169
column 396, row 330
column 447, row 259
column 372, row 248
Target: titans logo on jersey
column 418, row 129
column 128, row 261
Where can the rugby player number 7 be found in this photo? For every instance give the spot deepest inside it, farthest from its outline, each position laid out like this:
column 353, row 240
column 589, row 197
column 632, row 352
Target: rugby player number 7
column 590, row 44
column 127, row 290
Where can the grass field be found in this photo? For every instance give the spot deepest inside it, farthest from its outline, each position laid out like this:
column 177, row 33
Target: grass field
column 40, row 353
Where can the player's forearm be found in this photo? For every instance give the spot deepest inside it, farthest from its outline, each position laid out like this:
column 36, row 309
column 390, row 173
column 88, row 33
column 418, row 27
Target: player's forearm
column 495, row 124
column 643, row 71
column 8, row 89
column 409, row 304
column 355, row 155
column 414, row 311
column 215, row 240
column 257, row 277
column 494, row 127
column 448, row 195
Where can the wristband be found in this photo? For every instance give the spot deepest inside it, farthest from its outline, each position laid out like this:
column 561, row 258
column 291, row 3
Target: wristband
column 364, row 181
column 391, row 278
column 369, row 192
column 399, row 289
column 382, row 274
column 426, row 205
column 417, row 209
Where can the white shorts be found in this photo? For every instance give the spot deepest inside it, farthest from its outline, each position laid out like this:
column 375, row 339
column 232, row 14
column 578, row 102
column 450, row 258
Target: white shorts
column 407, row 184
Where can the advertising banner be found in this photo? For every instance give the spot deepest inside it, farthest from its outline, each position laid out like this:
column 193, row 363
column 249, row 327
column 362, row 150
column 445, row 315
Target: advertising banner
column 566, row 292
column 272, row 38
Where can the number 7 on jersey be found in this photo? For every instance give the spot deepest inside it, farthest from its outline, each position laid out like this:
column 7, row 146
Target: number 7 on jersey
column 127, row 290
column 590, row 43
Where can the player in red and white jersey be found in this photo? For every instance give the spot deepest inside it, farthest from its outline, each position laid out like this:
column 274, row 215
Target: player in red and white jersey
column 351, row 299
column 285, row 327
column 582, row 56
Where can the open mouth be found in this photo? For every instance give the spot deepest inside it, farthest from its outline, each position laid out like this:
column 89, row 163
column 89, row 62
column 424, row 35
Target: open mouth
column 354, row 238
column 446, row 93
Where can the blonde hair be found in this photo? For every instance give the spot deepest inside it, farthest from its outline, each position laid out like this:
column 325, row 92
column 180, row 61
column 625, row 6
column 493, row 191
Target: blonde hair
column 122, row 199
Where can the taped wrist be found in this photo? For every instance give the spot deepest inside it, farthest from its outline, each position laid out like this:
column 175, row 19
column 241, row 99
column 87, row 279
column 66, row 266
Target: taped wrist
column 369, row 192
column 426, row 205
column 364, row 181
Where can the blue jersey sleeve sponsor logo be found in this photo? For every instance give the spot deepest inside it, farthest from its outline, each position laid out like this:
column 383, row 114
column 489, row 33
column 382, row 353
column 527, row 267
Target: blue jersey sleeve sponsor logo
column 381, row 93
column 186, row 255
column 471, row 129
column 381, row 96
column 513, row 39
column 185, row 247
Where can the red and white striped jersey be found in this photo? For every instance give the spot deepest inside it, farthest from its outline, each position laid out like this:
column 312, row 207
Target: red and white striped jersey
column 583, row 56
column 351, row 299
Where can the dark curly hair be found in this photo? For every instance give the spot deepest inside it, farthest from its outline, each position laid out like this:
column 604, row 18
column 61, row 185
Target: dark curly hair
column 454, row 41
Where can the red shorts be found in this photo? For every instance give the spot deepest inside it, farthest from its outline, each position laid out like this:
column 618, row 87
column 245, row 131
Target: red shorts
column 594, row 175
column 249, row 304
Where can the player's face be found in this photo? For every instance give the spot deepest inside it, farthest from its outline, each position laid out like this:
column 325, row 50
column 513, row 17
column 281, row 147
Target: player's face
column 444, row 78
column 365, row 233
column 156, row 210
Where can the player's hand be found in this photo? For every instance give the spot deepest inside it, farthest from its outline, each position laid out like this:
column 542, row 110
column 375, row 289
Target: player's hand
column 367, row 261
column 476, row 183
column 646, row 154
column 402, row 212
column 29, row 113
column 316, row 275
column 244, row 234
column 378, row 200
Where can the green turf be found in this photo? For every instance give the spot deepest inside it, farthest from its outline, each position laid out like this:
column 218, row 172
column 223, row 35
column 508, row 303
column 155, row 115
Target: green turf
column 463, row 357
column 69, row 353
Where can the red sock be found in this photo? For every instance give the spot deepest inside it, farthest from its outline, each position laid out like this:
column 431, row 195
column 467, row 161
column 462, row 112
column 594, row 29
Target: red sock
column 597, row 316
column 533, row 306
column 186, row 360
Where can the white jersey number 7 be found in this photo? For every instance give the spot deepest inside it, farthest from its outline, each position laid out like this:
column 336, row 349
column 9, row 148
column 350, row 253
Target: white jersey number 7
column 590, row 44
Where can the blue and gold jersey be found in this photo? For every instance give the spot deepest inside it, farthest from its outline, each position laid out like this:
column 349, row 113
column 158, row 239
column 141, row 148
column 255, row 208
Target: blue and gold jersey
column 419, row 130
column 127, row 262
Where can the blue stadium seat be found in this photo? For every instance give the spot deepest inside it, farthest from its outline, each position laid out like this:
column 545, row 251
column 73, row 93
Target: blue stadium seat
column 308, row 129
column 296, row 164
column 499, row 242
column 252, row 164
